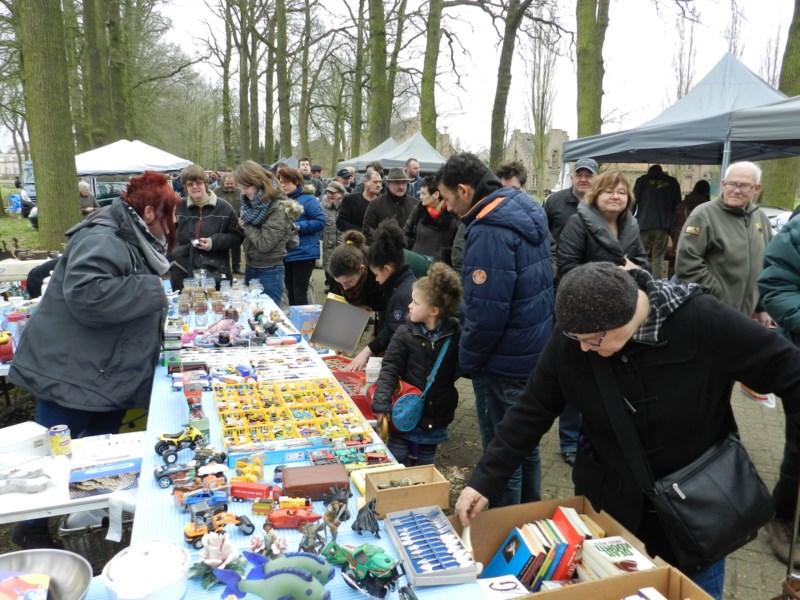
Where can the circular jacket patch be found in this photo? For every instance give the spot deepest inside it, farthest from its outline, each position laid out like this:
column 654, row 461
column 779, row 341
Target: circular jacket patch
column 479, row 276
column 397, row 314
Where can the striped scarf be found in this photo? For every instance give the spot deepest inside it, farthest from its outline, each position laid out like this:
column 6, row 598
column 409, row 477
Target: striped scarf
column 254, row 212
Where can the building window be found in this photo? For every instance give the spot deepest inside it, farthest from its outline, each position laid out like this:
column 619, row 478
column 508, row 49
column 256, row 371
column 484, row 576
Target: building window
column 554, row 159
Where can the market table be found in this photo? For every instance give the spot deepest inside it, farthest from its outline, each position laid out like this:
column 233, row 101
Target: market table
column 158, row 518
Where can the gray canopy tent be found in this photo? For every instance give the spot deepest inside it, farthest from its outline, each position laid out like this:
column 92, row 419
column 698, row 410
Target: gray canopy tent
column 694, row 130
column 774, row 127
column 359, row 163
column 415, row 147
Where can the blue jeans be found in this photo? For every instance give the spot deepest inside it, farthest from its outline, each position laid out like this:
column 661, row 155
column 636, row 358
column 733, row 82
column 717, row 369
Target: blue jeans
column 494, row 395
column 569, row 426
column 81, row 423
column 712, row 579
column 270, row 277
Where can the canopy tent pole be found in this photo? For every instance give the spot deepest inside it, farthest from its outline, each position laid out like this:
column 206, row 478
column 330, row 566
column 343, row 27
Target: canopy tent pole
column 726, row 159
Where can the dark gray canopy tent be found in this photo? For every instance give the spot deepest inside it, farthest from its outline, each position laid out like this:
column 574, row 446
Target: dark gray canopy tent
column 359, row 163
column 694, row 130
column 774, row 127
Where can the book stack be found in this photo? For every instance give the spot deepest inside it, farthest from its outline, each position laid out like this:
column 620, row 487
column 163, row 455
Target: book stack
column 544, row 550
column 609, row 556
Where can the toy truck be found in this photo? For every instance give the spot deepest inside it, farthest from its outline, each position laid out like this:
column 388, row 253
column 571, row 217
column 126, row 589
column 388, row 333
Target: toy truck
column 242, row 490
column 194, row 531
column 213, row 497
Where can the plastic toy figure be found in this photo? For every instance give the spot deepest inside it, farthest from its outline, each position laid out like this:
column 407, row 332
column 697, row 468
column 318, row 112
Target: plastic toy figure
column 368, row 569
column 296, row 576
column 366, row 520
column 312, row 540
column 333, row 517
column 270, row 544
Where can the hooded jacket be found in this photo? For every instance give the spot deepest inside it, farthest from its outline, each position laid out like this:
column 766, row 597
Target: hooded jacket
column 587, row 238
column 265, row 245
column 723, row 249
column 331, row 236
column 410, row 357
column 507, row 277
column 780, row 280
column 309, row 225
column 106, row 299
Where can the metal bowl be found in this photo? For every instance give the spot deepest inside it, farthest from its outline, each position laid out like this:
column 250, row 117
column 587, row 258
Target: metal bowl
column 70, row 574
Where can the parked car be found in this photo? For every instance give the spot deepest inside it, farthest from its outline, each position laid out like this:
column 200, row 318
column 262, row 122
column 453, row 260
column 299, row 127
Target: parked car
column 108, row 191
column 778, row 217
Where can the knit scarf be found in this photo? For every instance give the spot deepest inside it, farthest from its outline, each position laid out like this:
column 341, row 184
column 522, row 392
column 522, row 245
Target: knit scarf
column 154, row 249
column 435, row 211
column 254, row 212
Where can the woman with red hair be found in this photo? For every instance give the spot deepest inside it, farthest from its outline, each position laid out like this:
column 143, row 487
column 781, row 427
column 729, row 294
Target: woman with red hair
column 90, row 350
column 106, row 298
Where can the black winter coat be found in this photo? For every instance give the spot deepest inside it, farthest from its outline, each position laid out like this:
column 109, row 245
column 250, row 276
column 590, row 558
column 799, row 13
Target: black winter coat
column 397, row 291
column 586, row 238
column 429, row 236
column 680, row 389
column 411, row 357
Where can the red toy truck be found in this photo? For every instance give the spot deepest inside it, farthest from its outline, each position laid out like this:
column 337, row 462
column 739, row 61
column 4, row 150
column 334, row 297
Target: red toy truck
column 244, row 490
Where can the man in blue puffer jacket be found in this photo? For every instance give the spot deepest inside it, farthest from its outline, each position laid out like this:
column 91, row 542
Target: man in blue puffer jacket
column 508, row 297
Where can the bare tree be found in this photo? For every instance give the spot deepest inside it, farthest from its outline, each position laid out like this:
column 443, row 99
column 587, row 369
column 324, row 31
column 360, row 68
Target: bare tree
column 770, row 69
column 685, row 54
column 733, row 32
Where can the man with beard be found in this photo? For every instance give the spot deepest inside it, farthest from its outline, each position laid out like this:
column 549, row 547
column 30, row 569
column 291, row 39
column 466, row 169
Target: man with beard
column 392, row 204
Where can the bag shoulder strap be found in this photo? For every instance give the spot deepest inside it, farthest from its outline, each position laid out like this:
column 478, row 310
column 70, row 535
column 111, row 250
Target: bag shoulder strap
column 436, row 365
column 621, row 422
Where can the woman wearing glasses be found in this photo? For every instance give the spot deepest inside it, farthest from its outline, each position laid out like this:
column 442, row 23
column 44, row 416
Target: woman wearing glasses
column 673, row 354
column 603, row 229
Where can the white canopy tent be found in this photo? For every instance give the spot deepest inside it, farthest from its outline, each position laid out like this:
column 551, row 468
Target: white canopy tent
column 127, row 158
column 414, row 147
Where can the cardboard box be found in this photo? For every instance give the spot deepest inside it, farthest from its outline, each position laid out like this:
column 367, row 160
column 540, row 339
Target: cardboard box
column 433, row 491
column 340, row 325
column 304, row 318
column 23, row 439
column 491, row 527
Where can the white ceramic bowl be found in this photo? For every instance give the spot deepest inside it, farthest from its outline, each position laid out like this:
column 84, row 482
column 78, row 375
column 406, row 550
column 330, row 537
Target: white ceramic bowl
column 151, row 570
column 70, row 574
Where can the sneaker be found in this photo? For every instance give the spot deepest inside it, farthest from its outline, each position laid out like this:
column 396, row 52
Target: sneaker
column 780, row 538
column 29, row 537
column 569, row 458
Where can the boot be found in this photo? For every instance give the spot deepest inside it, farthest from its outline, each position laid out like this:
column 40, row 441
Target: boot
column 780, row 538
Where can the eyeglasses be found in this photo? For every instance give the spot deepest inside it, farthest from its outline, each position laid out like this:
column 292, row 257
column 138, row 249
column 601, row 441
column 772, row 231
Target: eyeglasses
column 592, row 343
column 587, row 176
column 194, row 183
column 745, row 187
column 612, row 192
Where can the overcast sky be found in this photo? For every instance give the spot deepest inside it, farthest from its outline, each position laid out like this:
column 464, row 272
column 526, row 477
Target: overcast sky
column 638, row 53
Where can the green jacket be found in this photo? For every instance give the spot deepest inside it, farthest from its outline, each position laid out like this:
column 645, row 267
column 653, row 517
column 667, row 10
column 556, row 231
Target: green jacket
column 723, row 249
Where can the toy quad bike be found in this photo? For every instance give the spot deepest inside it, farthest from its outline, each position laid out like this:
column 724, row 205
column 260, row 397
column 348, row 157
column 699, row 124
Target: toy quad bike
column 169, row 444
column 368, row 569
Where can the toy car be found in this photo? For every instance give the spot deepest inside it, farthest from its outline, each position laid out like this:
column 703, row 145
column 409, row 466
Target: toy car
column 169, row 443
column 291, row 518
column 208, row 454
column 214, row 497
column 277, row 474
column 367, row 568
column 166, row 475
column 193, row 532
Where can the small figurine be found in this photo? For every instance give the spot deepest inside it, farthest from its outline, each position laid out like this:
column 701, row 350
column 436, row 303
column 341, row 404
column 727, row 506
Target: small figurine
column 218, row 551
column 270, row 544
column 366, row 520
column 336, row 513
column 312, row 540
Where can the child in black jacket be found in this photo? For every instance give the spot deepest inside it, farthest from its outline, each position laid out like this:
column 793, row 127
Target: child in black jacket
column 411, row 355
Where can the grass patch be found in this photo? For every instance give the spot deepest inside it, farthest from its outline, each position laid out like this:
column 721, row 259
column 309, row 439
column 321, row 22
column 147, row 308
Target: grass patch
column 14, row 226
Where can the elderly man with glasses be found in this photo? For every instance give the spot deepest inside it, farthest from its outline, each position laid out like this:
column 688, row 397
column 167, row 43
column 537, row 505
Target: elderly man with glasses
column 723, row 243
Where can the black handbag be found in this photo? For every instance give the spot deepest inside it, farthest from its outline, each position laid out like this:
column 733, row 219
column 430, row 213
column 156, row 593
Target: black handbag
column 709, row 508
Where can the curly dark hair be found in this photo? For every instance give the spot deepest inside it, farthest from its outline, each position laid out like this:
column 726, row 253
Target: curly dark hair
column 388, row 246
column 347, row 258
column 464, row 167
column 429, row 183
column 441, row 288
column 513, row 169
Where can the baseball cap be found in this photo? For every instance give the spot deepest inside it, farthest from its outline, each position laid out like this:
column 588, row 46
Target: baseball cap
column 343, row 173
column 586, row 163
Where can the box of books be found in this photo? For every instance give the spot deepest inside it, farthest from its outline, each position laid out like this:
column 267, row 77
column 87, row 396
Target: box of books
column 540, row 545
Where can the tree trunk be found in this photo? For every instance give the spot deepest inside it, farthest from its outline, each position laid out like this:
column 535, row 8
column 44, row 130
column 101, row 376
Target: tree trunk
column 400, row 19
column 782, row 177
column 338, row 119
column 244, row 81
column 380, row 105
column 305, row 70
column 592, row 18
column 253, row 81
column 73, row 42
column 227, row 125
column 284, row 86
column 269, row 95
column 357, row 110
column 427, row 92
column 44, row 73
column 514, row 15
column 96, row 88
column 118, row 76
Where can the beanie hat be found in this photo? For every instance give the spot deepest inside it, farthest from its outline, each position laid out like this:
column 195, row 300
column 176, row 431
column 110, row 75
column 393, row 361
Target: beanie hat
column 595, row 297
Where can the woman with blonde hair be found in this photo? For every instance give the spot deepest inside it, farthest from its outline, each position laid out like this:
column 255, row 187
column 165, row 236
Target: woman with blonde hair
column 603, row 229
column 267, row 218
